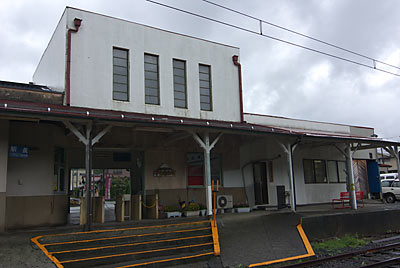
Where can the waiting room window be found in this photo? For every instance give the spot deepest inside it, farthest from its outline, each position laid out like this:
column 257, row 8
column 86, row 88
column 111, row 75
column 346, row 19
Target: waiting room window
column 120, row 74
column 314, row 171
column 195, row 163
column 151, row 79
column 324, row 171
column 205, row 87
column 179, row 70
column 342, row 171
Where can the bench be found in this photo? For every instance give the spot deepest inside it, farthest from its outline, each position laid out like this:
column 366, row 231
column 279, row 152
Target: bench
column 345, row 197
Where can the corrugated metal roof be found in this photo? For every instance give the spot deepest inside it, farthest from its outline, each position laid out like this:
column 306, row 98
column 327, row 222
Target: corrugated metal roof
column 24, row 86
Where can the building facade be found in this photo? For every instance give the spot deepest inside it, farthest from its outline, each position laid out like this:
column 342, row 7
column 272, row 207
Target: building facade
column 168, row 109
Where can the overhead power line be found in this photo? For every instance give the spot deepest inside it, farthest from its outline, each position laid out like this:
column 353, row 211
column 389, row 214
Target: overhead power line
column 301, row 34
column 272, row 37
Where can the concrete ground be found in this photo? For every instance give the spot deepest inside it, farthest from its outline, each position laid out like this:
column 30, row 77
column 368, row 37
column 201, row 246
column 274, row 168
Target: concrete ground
column 236, row 239
column 16, row 250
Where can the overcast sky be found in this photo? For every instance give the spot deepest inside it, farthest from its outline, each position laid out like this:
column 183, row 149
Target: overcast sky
column 278, row 79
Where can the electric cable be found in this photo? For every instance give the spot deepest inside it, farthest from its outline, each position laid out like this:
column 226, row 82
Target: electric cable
column 272, row 37
column 301, row 34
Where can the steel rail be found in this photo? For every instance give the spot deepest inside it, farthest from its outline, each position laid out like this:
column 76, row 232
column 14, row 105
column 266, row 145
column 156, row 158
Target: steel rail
column 384, row 263
column 345, row 256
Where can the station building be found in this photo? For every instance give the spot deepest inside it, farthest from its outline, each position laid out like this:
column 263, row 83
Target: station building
column 167, row 108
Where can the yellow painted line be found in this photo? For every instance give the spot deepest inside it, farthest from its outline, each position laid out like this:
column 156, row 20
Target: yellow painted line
column 306, row 243
column 310, row 251
column 124, row 236
column 125, row 229
column 167, row 260
column 132, row 244
column 52, row 258
column 214, row 228
column 134, row 253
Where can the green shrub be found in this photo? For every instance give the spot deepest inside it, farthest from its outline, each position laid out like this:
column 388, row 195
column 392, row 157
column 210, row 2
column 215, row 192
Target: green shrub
column 119, row 186
column 192, row 207
column 338, row 243
column 171, row 208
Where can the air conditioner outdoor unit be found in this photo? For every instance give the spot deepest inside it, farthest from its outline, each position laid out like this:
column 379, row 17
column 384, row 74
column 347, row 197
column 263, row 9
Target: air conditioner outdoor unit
column 224, row 201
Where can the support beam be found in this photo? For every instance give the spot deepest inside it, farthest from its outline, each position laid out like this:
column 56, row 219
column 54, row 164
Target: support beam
column 207, row 172
column 88, row 182
column 289, row 149
column 350, row 173
column 394, row 152
column 88, row 142
column 101, row 134
column 207, row 147
column 74, row 130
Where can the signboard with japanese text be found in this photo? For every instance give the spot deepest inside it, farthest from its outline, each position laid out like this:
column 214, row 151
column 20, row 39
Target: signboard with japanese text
column 17, row 151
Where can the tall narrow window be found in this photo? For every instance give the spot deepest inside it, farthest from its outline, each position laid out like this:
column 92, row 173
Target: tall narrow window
column 151, row 84
column 205, row 87
column 59, row 170
column 179, row 67
column 120, row 74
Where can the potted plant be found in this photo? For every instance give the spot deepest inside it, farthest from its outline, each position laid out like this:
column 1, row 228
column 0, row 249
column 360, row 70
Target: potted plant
column 203, row 210
column 191, row 210
column 172, row 211
column 241, row 207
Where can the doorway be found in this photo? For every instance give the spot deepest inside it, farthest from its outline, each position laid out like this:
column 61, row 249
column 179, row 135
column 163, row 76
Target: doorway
column 260, row 183
column 107, row 183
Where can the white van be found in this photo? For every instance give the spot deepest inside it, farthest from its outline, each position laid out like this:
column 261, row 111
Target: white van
column 389, row 176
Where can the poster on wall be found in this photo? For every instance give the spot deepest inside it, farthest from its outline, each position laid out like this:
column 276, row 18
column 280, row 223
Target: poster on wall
column 17, row 151
column 108, row 186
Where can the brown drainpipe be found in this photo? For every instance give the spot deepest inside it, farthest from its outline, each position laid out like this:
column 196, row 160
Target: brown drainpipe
column 235, row 59
column 77, row 23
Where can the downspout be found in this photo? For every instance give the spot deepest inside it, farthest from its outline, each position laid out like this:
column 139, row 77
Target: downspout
column 235, row 59
column 77, row 23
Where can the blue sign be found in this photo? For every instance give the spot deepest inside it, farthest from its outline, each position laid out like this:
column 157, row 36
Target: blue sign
column 17, row 151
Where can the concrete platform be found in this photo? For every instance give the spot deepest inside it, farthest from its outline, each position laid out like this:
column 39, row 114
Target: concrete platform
column 245, row 238
column 257, row 237
column 261, row 236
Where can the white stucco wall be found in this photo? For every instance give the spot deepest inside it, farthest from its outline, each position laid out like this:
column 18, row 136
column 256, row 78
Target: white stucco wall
column 33, row 176
column 91, row 67
column 51, row 68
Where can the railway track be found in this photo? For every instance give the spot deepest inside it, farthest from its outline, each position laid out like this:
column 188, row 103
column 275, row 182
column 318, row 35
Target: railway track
column 382, row 256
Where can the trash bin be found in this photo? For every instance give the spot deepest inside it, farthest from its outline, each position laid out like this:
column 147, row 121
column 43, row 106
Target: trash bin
column 280, row 194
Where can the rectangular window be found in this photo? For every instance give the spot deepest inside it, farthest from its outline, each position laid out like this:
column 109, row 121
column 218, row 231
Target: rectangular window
column 120, row 74
column 179, row 70
column 308, row 171
column 342, row 170
column 320, row 171
column 324, row 171
column 151, row 79
column 205, row 87
column 59, row 170
column 332, row 172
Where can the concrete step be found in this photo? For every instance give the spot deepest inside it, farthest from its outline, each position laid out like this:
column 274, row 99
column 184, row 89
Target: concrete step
column 127, row 239
column 158, row 262
column 70, row 237
column 164, row 244
column 101, row 250
column 139, row 257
